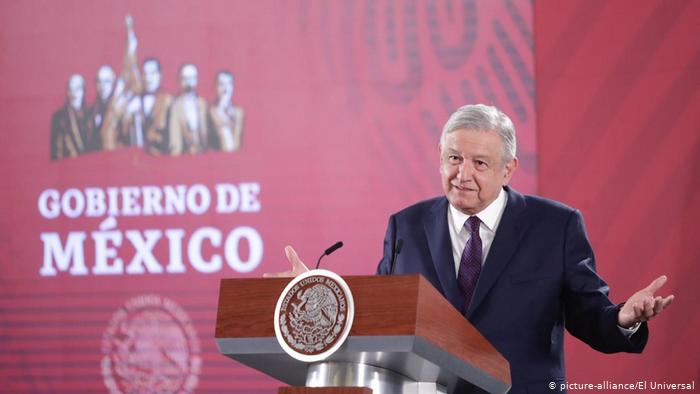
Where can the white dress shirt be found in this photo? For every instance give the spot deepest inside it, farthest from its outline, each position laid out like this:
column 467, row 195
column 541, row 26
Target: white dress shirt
column 490, row 218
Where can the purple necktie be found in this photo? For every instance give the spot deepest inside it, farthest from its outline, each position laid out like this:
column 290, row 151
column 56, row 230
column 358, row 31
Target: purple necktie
column 470, row 265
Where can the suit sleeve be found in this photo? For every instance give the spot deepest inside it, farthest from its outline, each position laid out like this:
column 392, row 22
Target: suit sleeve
column 384, row 266
column 589, row 314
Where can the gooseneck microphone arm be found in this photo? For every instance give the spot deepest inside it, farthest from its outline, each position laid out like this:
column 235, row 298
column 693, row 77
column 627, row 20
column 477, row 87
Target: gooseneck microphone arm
column 328, row 251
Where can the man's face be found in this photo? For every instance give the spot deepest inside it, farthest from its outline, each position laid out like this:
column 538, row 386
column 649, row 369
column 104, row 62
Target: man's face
column 76, row 91
column 472, row 169
column 224, row 87
column 105, row 82
column 188, row 78
column 151, row 76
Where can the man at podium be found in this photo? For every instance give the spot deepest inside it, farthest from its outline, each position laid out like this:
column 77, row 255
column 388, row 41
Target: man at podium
column 519, row 268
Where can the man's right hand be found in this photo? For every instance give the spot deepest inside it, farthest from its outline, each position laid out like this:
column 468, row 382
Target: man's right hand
column 298, row 266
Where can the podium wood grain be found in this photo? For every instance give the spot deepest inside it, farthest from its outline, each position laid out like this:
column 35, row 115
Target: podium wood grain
column 384, row 306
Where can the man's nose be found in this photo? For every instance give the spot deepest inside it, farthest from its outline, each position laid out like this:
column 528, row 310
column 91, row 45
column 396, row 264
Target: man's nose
column 465, row 171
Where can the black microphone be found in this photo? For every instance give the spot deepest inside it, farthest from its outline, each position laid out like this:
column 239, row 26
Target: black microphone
column 395, row 254
column 330, row 250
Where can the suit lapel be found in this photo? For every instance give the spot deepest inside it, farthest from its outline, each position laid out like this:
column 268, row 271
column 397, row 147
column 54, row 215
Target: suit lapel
column 510, row 232
column 437, row 233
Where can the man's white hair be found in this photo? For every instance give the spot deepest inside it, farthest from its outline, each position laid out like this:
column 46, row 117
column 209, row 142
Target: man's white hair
column 480, row 117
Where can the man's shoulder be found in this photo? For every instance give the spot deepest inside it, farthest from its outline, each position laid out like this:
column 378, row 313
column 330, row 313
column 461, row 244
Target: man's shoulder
column 59, row 113
column 539, row 202
column 61, row 117
column 543, row 209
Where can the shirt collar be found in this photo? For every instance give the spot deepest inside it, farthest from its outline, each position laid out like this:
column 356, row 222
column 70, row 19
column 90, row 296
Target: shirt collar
column 490, row 216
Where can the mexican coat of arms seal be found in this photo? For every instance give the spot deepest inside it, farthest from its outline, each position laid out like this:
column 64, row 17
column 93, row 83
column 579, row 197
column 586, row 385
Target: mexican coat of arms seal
column 314, row 315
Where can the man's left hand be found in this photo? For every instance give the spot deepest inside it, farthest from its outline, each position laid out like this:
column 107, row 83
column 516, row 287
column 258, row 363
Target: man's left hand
column 644, row 305
column 298, row 266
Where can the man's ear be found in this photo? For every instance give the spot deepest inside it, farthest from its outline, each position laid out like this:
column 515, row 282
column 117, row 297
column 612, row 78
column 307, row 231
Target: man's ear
column 511, row 166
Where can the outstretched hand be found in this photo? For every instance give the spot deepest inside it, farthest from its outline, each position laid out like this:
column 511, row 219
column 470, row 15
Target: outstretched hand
column 298, row 266
column 644, row 305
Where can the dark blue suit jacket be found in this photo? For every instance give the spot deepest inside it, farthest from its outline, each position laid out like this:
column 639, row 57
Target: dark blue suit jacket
column 538, row 278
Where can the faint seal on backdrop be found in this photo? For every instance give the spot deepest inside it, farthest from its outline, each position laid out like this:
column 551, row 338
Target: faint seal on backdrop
column 150, row 345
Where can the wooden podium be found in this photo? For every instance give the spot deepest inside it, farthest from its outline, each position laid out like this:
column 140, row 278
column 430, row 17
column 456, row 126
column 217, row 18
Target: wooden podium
column 406, row 338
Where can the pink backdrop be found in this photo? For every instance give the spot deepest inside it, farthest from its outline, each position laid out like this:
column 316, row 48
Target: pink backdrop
column 343, row 107
column 618, row 115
